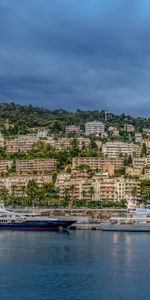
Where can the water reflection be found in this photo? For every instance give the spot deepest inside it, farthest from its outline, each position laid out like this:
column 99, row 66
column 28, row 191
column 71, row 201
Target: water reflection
column 80, row 265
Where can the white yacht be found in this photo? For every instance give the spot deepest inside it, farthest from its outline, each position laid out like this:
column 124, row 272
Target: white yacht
column 137, row 219
column 127, row 224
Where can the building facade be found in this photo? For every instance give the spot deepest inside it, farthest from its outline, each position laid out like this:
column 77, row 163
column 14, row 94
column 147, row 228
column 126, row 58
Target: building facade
column 96, row 128
column 38, row 165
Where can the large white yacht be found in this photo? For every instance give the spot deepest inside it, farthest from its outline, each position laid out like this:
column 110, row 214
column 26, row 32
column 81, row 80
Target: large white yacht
column 138, row 219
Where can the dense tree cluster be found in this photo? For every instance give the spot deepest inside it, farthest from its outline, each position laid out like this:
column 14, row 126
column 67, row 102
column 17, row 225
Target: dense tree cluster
column 26, row 117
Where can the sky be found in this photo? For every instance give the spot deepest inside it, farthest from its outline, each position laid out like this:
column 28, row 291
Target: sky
column 87, row 54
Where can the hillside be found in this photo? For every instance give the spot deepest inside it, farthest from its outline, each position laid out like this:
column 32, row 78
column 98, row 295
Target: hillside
column 26, row 117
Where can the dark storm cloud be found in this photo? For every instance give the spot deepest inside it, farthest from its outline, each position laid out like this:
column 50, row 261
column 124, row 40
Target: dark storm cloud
column 88, row 54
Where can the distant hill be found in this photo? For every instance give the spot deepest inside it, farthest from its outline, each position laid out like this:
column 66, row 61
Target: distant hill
column 25, row 117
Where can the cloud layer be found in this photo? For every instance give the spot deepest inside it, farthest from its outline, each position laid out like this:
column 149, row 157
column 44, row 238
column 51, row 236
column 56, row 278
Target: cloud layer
column 92, row 54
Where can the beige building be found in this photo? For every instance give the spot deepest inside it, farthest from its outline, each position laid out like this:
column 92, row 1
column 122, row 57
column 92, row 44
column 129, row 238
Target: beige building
column 138, row 165
column 98, row 188
column 72, row 128
column 127, row 187
column 5, row 165
column 136, row 150
column 129, row 128
column 140, row 162
column 104, row 188
column 147, row 131
column 146, row 174
column 38, row 165
column 99, row 163
column 134, row 171
column 16, row 185
column 75, row 186
column 113, row 130
column 66, row 143
column 23, row 144
column 148, row 161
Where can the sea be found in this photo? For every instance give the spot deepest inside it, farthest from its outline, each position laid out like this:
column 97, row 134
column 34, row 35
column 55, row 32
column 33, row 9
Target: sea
column 75, row 265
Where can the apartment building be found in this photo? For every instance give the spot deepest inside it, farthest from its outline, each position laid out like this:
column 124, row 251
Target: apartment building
column 113, row 130
column 146, row 174
column 99, row 188
column 138, row 165
column 136, row 150
column 96, row 128
column 23, row 144
column 134, row 171
column 140, row 162
column 147, row 143
column 98, row 162
column 66, row 143
column 42, row 133
column 5, row 165
column 148, row 161
column 138, row 137
column 147, row 131
column 4, row 183
column 75, row 186
column 72, row 128
column 59, row 143
column 106, row 114
column 16, row 185
column 38, row 165
column 129, row 128
column 127, row 187
column 115, row 149
column 104, row 188
column 83, row 142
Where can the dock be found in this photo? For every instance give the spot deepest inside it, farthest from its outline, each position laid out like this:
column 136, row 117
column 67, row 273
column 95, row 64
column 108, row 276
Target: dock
column 79, row 226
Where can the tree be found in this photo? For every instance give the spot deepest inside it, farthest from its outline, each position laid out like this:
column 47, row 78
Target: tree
column 144, row 149
column 84, row 167
column 134, row 192
column 127, row 160
column 67, row 195
column 92, row 192
column 75, row 147
column 23, row 192
column 32, row 191
column 145, row 188
column 4, row 194
column 72, row 194
column 83, row 194
column 13, row 187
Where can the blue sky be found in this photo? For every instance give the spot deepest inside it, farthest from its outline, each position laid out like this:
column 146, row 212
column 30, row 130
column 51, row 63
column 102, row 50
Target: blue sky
column 92, row 54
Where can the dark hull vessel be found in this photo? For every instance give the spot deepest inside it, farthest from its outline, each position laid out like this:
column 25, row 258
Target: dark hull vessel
column 13, row 221
column 29, row 225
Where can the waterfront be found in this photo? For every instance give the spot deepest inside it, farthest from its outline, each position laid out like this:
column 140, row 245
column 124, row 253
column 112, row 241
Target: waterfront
column 79, row 265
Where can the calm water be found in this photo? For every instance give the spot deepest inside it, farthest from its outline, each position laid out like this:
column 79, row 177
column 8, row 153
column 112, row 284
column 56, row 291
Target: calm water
column 81, row 265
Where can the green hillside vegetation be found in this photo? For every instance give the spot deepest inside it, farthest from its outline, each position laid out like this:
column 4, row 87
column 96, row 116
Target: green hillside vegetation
column 26, row 117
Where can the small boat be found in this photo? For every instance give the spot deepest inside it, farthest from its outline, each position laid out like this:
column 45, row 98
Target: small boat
column 16, row 221
column 138, row 224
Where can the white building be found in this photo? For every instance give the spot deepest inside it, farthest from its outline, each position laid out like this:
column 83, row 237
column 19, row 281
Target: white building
column 94, row 128
column 114, row 149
